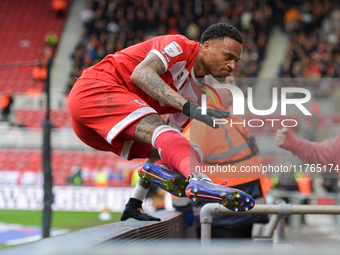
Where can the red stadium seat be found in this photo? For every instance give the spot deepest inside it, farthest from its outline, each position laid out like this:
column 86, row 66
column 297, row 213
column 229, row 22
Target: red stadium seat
column 24, row 20
column 63, row 161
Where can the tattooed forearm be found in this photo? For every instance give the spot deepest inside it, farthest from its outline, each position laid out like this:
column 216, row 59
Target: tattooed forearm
column 146, row 126
column 159, row 90
column 147, row 77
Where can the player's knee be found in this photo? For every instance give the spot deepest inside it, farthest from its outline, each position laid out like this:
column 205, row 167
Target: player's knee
column 162, row 129
column 146, row 127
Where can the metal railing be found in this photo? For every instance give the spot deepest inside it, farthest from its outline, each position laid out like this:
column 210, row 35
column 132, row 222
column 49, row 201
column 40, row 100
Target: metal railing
column 282, row 210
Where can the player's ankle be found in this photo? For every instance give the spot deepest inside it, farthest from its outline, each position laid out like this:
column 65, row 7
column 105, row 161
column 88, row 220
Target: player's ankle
column 133, row 202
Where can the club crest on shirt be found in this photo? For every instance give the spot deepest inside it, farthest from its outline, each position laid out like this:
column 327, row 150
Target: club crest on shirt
column 105, row 102
column 140, row 102
column 173, row 49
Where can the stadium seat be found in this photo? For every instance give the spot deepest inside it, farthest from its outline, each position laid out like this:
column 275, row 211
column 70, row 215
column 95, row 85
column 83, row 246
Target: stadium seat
column 21, row 161
column 24, row 20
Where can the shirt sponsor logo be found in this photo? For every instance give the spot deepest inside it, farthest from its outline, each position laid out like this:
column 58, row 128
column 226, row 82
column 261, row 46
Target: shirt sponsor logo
column 166, row 56
column 180, row 76
column 173, row 49
column 66, row 198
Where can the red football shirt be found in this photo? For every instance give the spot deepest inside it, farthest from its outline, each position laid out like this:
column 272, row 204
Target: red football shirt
column 178, row 55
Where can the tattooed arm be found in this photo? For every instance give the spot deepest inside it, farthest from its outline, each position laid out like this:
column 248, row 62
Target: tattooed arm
column 147, row 76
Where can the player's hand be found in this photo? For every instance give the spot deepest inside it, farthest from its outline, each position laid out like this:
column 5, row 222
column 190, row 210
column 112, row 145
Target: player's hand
column 281, row 136
column 195, row 112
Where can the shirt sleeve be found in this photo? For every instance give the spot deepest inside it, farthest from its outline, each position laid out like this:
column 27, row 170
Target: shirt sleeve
column 172, row 49
column 313, row 152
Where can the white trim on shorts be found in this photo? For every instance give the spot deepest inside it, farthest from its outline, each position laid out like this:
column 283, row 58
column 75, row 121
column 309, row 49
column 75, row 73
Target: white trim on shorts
column 126, row 149
column 115, row 130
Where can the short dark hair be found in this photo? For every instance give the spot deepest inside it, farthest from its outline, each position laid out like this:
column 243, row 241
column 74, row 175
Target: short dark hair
column 221, row 30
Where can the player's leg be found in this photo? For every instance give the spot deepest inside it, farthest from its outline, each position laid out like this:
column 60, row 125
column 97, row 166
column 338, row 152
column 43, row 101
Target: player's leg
column 174, row 149
column 133, row 208
column 143, row 133
column 100, row 112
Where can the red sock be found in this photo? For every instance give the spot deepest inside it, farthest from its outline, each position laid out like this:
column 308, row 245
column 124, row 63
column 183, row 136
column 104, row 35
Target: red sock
column 175, row 150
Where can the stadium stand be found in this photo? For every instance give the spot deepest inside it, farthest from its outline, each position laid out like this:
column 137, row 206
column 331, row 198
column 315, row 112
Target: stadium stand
column 112, row 25
column 314, row 47
column 34, row 118
column 109, row 27
column 25, row 166
column 24, row 27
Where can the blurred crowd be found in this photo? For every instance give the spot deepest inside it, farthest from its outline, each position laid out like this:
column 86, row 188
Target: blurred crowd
column 314, row 52
column 112, row 25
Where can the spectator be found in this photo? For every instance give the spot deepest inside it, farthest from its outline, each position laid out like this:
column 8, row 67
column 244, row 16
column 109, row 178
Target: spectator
column 311, row 152
column 292, row 18
column 101, row 179
column 88, row 14
column 51, row 39
column 59, row 6
column 214, row 144
column 40, row 72
column 6, row 105
column 76, row 178
column 326, row 154
column 193, row 31
column 314, row 46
